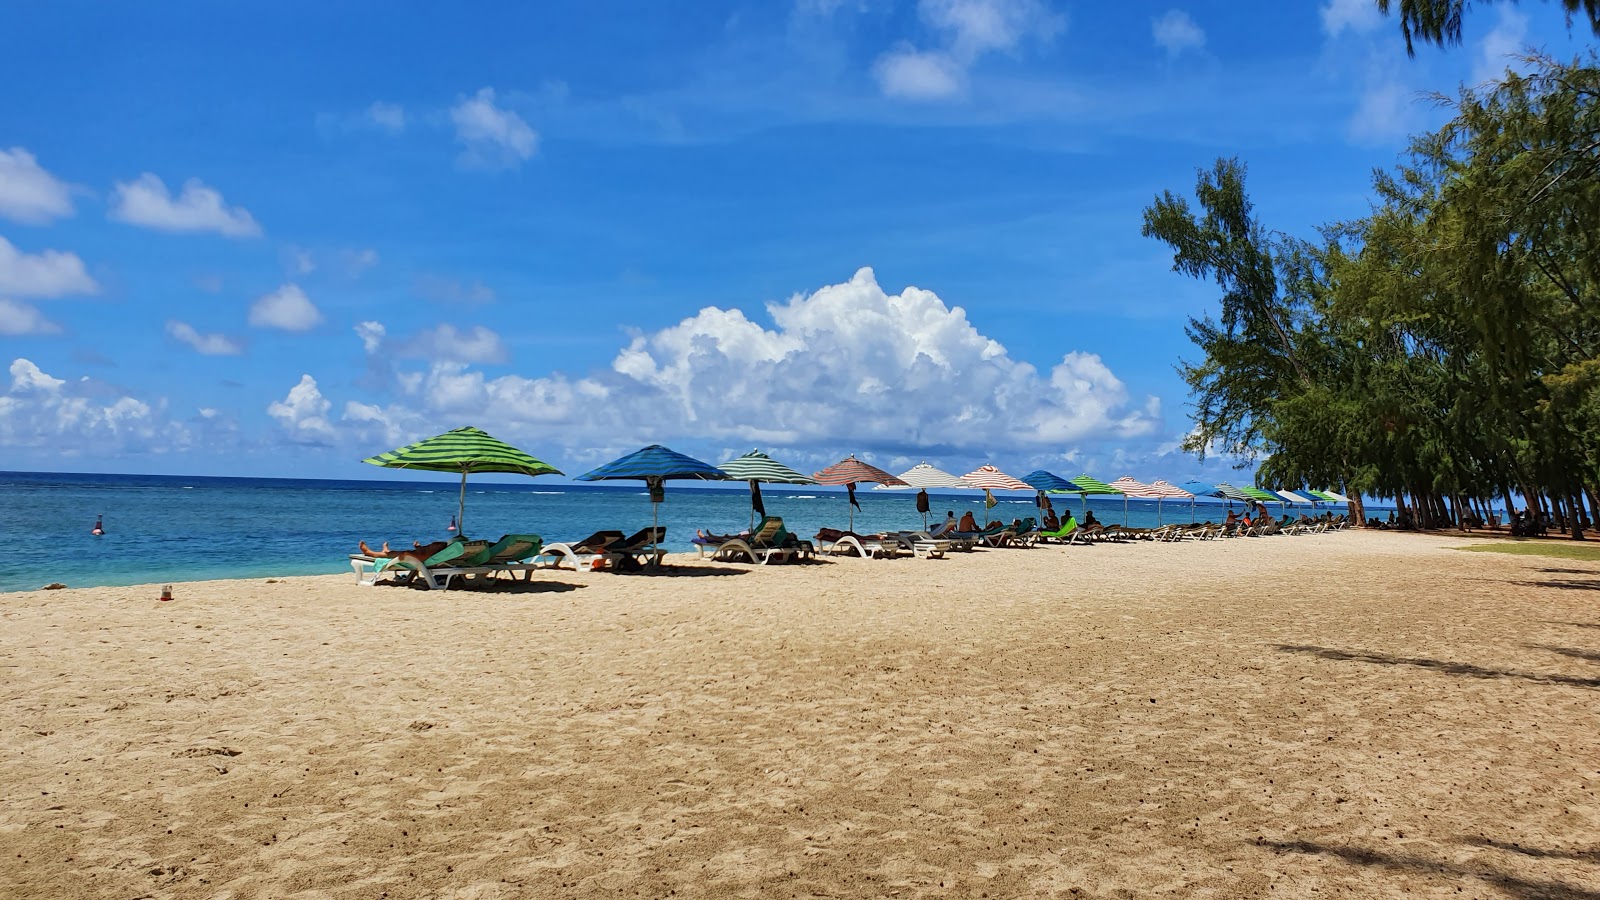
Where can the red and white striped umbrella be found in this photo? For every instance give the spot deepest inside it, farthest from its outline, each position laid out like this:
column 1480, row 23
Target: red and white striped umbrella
column 991, row 479
column 851, row 472
column 1139, row 489
column 1172, row 492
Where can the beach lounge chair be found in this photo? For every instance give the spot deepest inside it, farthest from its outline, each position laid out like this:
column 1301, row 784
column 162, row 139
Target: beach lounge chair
column 1066, row 533
column 767, row 543
column 924, row 544
column 581, row 554
column 464, row 559
column 636, row 551
column 868, row 546
column 369, row 568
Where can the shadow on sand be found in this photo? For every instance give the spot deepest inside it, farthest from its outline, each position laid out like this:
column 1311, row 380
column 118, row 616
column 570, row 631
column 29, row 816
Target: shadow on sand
column 1587, row 584
column 1574, row 652
column 1512, row 885
column 1449, row 668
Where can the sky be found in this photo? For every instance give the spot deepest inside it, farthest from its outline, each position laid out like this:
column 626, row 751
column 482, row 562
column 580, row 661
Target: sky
column 272, row 240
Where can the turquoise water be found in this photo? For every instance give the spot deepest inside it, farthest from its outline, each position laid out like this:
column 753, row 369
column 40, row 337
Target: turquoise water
column 164, row 528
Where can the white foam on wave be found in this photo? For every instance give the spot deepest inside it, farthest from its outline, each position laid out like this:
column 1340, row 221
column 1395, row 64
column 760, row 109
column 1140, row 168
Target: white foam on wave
column 802, row 496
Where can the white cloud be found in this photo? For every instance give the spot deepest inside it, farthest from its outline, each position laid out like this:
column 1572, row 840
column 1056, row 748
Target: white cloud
column 204, row 344
column 287, row 308
column 1385, row 113
column 1176, row 32
column 50, row 273
column 64, row 418
column 494, row 137
column 1355, row 15
column 371, row 334
column 450, row 291
column 146, row 201
column 968, row 30
column 303, row 413
column 446, row 343
column 1501, row 47
column 909, row 74
column 299, row 261
column 357, row 261
column 19, row 319
column 390, row 117
column 848, row 365
column 29, row 194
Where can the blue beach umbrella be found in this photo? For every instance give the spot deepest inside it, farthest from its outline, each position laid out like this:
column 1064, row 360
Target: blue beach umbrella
column 1050, row 483
column 655, row 465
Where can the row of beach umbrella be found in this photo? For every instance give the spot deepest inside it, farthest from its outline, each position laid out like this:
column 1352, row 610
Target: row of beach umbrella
column 471, row 450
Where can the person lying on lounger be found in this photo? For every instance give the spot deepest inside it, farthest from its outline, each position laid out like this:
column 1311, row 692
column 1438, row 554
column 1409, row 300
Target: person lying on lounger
column 418, row 552
column 705, row 537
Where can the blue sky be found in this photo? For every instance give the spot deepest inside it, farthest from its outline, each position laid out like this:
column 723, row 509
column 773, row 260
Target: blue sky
column 272, row 240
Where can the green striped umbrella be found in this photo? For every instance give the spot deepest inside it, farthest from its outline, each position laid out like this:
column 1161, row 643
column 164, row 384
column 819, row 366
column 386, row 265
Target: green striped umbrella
column 756, row 467
column 463, row 450
column 1255, row 493
column 1088, row 485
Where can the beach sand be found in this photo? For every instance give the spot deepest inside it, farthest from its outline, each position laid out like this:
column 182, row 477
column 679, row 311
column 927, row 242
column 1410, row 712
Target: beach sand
column 1351, row 714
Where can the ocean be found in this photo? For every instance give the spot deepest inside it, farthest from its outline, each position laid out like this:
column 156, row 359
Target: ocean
column 171, row 528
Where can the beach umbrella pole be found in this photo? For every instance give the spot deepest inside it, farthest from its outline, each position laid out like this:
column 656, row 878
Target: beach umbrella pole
column 461, row 507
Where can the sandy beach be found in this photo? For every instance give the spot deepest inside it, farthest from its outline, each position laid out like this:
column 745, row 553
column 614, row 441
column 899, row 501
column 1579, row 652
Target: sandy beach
column 1352, row 714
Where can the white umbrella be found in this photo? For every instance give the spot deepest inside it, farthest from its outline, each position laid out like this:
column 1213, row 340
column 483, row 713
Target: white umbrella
column 921, row 477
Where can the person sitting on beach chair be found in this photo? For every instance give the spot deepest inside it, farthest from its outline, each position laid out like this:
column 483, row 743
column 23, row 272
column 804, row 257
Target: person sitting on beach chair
column 968, row 524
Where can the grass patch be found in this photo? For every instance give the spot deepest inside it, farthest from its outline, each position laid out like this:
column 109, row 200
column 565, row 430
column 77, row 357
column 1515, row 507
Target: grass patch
column 1540, row 548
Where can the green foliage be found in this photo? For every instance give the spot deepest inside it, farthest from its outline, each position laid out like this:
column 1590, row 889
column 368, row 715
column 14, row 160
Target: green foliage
column 1439, row 21
column 1443, row 346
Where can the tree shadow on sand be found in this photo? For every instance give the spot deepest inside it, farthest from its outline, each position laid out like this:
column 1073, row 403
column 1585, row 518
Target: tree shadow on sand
column 1586, row 584
column 1512, row 885
column 1574, row 652
column 1449, row 668
column 1591, row 855
column 1549, row 571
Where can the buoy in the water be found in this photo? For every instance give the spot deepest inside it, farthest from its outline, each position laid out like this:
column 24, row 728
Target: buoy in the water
column 452, row 524
column 99, row 527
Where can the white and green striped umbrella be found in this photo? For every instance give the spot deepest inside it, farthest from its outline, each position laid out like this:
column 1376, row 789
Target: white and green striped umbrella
column 463, row 450
column 756, row 467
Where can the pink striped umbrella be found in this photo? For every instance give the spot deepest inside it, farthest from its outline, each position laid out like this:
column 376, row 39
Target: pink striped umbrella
column 851, row 472
column 1131, row 488
column 991, row 479
column 1171, row 491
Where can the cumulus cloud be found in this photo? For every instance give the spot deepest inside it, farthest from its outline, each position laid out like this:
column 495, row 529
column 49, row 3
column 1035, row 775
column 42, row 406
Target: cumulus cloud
column 1176, row 31
column 287, row 308
column 303, row 413
column 19, row 319
column 204, row 344
column 50, row 273
column 390, row 117
column 494, row 137
column 146, row 201
column 1352, row 15
column 65, row 418
column 29, row 194
column 967, row 30
column 849, row 365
